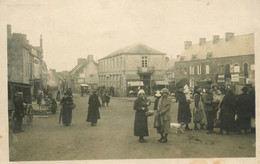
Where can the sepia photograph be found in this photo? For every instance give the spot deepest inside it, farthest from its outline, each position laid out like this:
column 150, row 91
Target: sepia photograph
column 129, row 81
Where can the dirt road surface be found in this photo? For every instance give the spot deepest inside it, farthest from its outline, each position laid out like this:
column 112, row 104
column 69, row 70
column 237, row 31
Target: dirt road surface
column 113, row 138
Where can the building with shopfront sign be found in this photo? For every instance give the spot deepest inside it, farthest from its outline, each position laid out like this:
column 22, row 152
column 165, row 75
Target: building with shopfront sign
column 25, row 62
column 226, row 61
column 127, row 66
column 85, row 72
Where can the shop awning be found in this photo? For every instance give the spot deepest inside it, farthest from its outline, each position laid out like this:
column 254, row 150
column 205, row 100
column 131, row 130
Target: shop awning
column 161, row 82
column 135, row 83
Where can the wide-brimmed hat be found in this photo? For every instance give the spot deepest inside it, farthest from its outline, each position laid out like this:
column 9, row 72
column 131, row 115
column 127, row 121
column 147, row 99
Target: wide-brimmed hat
column 165, row 90
column 141, row 91
column 244, row 89
column 158, row 94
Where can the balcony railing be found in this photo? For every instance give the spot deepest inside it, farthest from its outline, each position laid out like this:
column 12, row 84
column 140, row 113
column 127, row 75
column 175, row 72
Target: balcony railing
column 145, row 70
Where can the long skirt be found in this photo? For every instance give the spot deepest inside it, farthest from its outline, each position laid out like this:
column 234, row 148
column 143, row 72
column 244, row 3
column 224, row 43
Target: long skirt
column 162, row 126
column 140, row 125
column 66, row 116
column 93, row 115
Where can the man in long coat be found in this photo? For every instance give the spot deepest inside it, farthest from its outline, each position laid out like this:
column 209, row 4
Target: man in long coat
column 207, row 99
column 93, row 109
column 163, row 115
column 227, row 106
column 19, row 112
column 244, row 112
column 184, row 113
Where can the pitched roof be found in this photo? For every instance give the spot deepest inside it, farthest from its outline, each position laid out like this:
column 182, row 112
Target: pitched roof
column 79, row 66
column 58, row 76
column 138, row 48
column 237, row 46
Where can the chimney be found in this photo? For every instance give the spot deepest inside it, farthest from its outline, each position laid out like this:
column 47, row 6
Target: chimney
column 202, row 41
column 229, row 36
column 81, row 61
column 9, row 31
column 41, row 41
column 187, row 44
column 215, row 39
column 90, row 57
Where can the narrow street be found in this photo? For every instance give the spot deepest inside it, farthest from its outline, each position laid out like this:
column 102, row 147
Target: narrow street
column 113, row 138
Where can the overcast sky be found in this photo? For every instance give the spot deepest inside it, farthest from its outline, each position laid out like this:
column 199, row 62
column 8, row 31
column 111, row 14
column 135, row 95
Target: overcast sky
column 74, row 29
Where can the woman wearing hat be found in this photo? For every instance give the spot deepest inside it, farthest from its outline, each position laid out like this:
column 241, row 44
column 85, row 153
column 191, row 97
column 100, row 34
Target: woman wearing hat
column 67, row 106
column 163, row 117
column 184, row 113
column 93, row 109
column 198, row 111
column 140, row 124
column 244, row 112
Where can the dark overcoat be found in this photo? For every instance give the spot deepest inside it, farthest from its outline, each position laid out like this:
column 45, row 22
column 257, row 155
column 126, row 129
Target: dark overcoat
column 184, row 113
column 244, row 112
column 140, row 124
column 67, row 106
column 227, row 114
column 93, row 108
column 19, row 111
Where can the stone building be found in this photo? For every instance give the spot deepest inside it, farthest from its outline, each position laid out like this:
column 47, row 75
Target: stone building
column 85, row 72
column 230, row 60
column 137, row 62
column 25, row 62
column 55, row 80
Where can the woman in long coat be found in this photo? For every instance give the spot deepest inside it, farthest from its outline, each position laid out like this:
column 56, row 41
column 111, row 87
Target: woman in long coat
column 93, row 109
column 184, row 113
column 163, row 117
column 140, row 124
column 244, row 112
column 227, row 114
column 67, row 106
column 198, row 111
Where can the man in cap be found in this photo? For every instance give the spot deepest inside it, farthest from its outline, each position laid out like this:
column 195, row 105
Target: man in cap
column 19, row 112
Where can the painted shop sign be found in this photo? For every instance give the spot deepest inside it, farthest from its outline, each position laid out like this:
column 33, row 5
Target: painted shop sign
column 235, row 78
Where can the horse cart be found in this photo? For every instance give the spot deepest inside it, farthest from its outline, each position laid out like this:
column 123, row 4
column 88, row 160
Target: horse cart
column 13, row 88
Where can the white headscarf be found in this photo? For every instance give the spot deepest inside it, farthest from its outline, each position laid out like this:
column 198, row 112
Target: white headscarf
column 141, row 91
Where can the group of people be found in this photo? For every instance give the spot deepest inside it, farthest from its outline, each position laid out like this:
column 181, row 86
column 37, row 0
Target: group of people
column 212, row 109
column 162, row 117
column 68, row 105
column 227, row 111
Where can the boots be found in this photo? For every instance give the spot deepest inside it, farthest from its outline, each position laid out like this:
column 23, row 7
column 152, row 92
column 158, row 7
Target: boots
column 164, row 140
column 196, row 128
